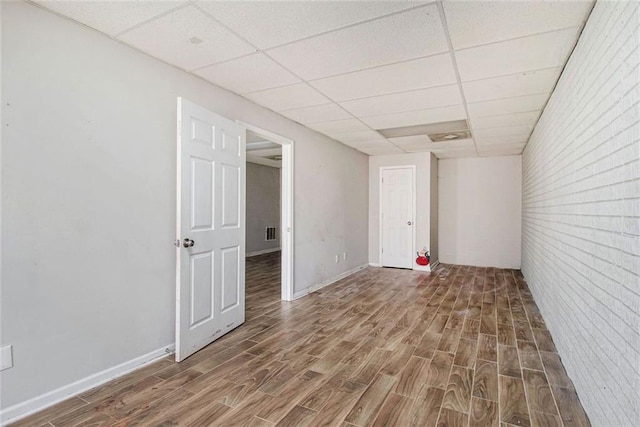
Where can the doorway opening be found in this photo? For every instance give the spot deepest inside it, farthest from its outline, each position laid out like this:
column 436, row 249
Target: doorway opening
column 269, row 207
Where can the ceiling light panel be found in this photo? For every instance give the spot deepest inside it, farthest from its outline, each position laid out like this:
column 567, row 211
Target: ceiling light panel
column 519, row 104
column 425, row 129
column 399, row 37
column 514, row 56
column 167, row 38
column 527, row 119
column 248, row 74
column 111, row 17
column 271, row 23
column 529, row 83
column 411, row 118
column 482, row 22
column 339, row 126
column 316, row 114
column 406, row 101
column 288, row 97
column 404, row 76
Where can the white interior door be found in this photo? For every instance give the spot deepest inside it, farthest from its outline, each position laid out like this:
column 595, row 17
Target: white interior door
column 211, row 227
column 397, row 217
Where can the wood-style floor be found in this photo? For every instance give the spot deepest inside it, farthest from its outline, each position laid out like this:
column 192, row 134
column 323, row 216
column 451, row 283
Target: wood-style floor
column 463, row 346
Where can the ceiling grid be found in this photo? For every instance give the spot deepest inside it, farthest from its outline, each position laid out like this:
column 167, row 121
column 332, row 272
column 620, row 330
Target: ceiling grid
column 351, row 68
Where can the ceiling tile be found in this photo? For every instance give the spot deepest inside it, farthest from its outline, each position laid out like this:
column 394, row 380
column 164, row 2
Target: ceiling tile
column 288, row 97
column 498, row 147
column 517, row 119
column 481, row 22
column 452, row 153
column 513, row 56
column 503, row 131
column 380, row 150
column 504, row 139
column 339, row 126
column 404, row 76
column 420, row 143
column 498, row 152
column 418, row 117
column 406, row 101
column 362, row 136
column 318, row 113
column 271, row 23
column 529, row 83
column 519, row 104
column 248, row 74
column 111, row 17
column 395, row 38
column 168, row 38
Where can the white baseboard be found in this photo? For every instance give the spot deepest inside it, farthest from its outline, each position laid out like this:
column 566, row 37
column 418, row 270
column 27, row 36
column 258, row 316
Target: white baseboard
column 375, row 264
column 327, row 282
column 262, row 252
column 417, row 267
column 28, row 407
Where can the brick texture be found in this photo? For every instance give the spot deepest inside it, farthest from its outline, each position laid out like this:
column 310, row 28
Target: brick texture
column 581, row 215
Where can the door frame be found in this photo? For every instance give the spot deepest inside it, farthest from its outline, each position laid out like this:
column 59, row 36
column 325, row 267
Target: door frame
column 286, row 207
column 413, row 208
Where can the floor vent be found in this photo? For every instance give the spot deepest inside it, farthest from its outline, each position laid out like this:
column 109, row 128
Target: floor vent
column 270, row 234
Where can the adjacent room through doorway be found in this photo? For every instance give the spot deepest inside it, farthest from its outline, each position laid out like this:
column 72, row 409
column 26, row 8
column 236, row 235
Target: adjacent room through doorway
column 269, row 211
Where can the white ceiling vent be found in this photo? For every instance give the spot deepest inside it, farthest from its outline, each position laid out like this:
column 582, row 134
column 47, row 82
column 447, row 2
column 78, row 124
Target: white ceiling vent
column 437, row 132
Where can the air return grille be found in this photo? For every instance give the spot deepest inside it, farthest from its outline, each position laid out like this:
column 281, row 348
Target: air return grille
column 270, row 233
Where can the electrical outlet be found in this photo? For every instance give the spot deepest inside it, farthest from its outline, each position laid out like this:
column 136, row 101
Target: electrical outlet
column 6, row 357
column 337, row 258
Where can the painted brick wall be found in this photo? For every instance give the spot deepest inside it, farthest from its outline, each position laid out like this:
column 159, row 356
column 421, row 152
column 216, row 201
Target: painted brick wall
column 581, row 215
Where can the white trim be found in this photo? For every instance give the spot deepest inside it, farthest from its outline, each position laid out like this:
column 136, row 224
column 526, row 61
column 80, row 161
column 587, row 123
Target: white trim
column 262, row 252
column 375, row 264
column 38, row 403
column 328, row 282
column 287, row 201
column 263, row 161
column 417, row 267
column 413, row 220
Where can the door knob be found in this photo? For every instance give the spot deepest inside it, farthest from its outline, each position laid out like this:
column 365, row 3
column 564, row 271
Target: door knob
column 408, row 222
column 188, row 243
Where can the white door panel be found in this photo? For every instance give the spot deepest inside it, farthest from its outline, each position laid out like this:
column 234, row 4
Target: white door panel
column 397, row 212
column 211, row 221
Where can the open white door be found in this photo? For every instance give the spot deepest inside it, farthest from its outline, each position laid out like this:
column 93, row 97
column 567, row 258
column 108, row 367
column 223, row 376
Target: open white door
column 397, row 203
column 211, row 227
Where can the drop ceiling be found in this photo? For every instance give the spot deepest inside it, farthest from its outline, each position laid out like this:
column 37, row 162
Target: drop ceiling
column 349, row 68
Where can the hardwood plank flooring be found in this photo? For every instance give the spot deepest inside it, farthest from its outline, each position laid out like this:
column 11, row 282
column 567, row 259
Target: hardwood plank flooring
column 461, row 346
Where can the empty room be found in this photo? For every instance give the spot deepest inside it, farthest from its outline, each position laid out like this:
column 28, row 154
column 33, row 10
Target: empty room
column 320, row 213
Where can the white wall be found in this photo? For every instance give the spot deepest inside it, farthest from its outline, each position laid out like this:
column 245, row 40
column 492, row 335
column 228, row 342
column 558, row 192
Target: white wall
column 581, row 215
column 263, row 206
column 433, row 210
column 88, row 199
column 422, row 162
column 479, row 212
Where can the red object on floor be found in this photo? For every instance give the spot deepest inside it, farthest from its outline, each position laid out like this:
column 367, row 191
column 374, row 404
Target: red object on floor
column 422, row 260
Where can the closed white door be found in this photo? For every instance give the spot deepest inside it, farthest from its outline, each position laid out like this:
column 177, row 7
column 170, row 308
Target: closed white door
column 211, row 227
column 397, row 217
